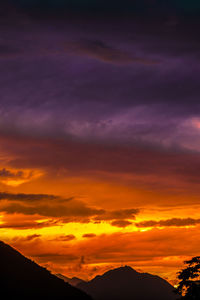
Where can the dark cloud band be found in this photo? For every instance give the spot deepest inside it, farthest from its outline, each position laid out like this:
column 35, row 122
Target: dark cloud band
column 29, row 197
column 174, row 222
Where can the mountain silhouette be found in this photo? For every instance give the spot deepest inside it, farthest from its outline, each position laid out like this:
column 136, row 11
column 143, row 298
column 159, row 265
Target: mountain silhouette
column 21, row 278
column 126, row 284
column 74, row 281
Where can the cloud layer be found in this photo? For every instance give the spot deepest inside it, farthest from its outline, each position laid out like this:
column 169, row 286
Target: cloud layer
column 99, row 138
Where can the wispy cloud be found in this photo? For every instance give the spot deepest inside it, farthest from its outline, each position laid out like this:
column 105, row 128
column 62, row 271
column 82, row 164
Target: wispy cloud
column 103, row 52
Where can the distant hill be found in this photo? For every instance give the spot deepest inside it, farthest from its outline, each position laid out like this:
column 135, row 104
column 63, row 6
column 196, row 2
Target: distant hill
column 126, row 284
column 74, row 281
column 21, row 278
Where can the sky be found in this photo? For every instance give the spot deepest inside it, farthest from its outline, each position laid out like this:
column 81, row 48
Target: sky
column 100, row 134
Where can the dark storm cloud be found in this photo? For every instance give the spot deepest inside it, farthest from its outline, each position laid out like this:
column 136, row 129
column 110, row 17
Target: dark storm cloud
column 73, row 96
column 56, row 93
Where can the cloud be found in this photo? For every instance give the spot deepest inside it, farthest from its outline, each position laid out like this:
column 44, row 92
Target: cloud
column 119, row 218
column 121, row 223
column 27, row 225
column 7, row 173
column 33, row 236
column 118, row 214
column 169, row 171
column 27, row 238
column 89, row 235
column 61, row 210
column 23, row 222
column 59, row 213
column 100, row 123
column 31, row 208
column 91, row 109
column 156, row 249
column 174, row 222
column 65, row 238
column 56, row 257
column 103, row 52
column 64, row 209
column 14, row 177
column 30, row 197
column 73, row 212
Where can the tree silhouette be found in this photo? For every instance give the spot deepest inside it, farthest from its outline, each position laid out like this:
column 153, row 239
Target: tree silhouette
column 189, row 284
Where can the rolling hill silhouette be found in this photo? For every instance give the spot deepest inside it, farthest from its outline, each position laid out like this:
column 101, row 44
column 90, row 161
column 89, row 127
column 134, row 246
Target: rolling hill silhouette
column 21, row 278
column 126, row 284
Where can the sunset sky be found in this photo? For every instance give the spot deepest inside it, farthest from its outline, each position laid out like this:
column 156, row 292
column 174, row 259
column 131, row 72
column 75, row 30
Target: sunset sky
column 100, row 134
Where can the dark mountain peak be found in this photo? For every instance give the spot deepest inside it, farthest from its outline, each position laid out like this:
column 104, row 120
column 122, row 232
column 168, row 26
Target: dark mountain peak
column 125, row 269
column 125, row 283
column 24, row 279
column 121, row 271
column 117, row 274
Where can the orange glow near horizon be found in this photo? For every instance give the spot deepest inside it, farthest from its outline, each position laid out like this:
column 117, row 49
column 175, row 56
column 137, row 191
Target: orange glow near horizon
column 83, row 224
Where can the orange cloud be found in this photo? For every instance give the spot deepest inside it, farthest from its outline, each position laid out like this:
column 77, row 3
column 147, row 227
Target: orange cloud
column 14, row 177
column 87, row 189
column 161, row 249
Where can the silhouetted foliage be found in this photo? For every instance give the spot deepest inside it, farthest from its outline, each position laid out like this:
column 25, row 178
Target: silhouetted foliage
column 21, row 278
column 189, row 284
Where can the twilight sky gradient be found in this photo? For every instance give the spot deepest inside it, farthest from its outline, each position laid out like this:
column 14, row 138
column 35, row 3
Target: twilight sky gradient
column 100, row 134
